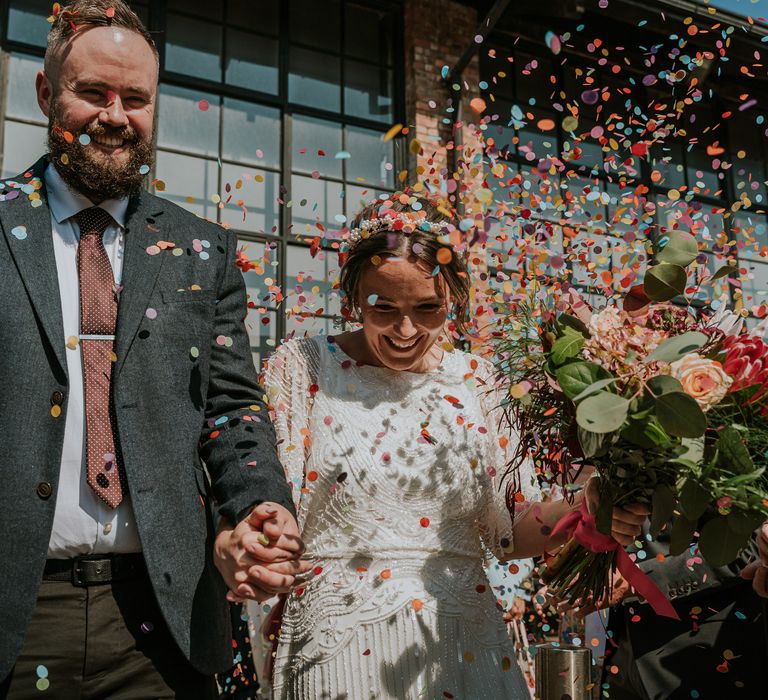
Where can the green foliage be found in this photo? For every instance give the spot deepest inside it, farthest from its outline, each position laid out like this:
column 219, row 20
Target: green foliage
column 677, row 346
column 681, row 249
column 602, row 413
column 681, row 536
column 680, row 415
column 719, row 543
column 664, row 281
column 566, row 347
column 575, row 377
column 734, row 452
column 662, row 507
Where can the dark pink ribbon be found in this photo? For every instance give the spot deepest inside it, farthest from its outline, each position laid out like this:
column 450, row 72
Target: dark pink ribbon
column 580, row 525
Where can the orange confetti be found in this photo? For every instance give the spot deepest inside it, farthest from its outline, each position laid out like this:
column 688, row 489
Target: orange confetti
column 477, row 104
column 386, row 574
column 312, row 476
column 417, row 604
column 444, row 256
column 546, row 124
column 110, row 12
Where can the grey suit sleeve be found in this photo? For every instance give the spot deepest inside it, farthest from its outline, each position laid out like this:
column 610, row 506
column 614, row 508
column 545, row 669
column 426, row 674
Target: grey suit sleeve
column 238, row 441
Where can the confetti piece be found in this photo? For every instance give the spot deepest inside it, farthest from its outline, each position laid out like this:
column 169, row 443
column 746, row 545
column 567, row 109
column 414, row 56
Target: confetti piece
column 19, row 232
column 392, row 132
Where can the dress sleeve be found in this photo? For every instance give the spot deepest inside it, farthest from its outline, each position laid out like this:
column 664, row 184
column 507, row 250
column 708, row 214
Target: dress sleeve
column 290, row 379
column 495, row 522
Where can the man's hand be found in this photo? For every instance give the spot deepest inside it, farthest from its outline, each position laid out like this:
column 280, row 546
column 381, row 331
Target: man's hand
column 260, row 556
column 757, row 571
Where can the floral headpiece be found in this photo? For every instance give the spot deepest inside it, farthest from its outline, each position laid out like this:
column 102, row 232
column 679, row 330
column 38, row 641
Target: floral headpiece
column 405, row 222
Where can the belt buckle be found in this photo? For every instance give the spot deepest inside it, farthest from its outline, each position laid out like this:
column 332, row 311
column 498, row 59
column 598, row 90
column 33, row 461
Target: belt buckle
column 88, row 571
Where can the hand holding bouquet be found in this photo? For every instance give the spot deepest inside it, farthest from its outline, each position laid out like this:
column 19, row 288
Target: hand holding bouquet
column 668, row 404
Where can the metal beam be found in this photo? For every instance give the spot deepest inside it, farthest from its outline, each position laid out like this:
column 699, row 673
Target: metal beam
column 485, row 27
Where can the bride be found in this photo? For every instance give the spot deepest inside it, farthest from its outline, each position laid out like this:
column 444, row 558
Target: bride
column 390, row 439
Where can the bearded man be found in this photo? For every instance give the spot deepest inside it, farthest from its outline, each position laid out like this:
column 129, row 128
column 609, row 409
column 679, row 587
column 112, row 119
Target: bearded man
column 131, row 411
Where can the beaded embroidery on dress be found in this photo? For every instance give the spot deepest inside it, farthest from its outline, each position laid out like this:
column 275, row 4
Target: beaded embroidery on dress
column 400, row 498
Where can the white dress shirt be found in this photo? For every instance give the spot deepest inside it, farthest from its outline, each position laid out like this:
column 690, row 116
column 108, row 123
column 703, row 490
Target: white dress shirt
column 82, row 523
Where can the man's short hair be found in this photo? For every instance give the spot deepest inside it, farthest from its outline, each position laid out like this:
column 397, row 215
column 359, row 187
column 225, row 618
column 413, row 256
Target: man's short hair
column 79, row 14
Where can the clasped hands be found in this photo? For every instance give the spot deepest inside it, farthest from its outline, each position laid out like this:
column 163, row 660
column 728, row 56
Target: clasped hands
column 260, row 557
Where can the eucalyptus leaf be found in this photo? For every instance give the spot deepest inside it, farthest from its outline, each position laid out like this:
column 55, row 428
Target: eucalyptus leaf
column 724, row 271
column 694, row 499
column 744, row 523
column 719, row 544
column 599, row 385
column 664, row 384
column 681, row 536
column 566, row 347
column 573, row 323
column 680, row 415
column 734, row 452
column 644, row 433
column 664, row 281
column 677, row 346
column 662, row 506
column 602, row 413
column 575, row 377
column 680, row 250
column 591, row 443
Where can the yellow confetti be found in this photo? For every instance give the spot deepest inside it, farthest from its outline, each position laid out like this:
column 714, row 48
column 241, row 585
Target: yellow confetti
column 392, row 132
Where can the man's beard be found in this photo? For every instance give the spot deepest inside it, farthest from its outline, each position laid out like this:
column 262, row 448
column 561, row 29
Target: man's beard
column 93, row 174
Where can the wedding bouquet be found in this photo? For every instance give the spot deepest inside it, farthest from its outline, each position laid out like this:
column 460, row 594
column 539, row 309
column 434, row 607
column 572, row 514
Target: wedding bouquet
column 667, row 403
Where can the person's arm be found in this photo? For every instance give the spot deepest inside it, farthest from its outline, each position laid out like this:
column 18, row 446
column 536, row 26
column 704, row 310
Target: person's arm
column 238, row 445
column 532, row 529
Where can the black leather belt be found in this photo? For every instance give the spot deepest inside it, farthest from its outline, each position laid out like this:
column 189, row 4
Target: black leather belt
column 95, row 569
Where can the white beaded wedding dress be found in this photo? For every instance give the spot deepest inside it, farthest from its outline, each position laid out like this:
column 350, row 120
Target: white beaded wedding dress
column 396, row 478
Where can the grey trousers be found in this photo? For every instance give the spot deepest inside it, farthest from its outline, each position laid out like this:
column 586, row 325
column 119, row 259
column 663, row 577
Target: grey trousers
column 102, row 642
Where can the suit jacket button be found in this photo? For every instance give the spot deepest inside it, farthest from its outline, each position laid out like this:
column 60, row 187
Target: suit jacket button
column 57, row 398
column 44, row 490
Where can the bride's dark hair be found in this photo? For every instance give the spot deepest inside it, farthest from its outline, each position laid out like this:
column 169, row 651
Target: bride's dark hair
column 421, row 245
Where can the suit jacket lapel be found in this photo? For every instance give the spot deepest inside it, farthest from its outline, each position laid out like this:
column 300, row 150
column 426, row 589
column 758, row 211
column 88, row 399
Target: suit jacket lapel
column 27, row 229
column 144, row 227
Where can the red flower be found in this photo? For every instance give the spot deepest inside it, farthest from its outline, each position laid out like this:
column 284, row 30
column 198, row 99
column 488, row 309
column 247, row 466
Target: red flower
column 746, row 360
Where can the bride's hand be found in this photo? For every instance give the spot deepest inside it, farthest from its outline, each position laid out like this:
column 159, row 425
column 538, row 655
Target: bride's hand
column 627, row 520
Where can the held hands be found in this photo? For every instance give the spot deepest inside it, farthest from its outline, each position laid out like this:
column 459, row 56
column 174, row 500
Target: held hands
column 627, row 521
column 757, row 571
column 260, row 556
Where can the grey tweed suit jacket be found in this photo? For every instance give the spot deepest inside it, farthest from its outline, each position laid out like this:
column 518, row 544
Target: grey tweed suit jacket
column 186, row 394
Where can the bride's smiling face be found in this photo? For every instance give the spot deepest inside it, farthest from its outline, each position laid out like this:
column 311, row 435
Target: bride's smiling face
column 403, row 309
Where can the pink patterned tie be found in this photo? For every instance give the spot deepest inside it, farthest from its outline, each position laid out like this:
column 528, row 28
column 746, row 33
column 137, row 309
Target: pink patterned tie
column 98, row 317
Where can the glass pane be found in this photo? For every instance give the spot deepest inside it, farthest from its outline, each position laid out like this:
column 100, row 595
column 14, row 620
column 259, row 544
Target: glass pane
column 668, row 161
column 193, row 47
column 306, row 324
column 201, row 8
column 309, row 281
column 356, row 198
column 535, row 145
column 755, row 284
column 751, row 234
column 368, row 34
column 261, row 280
column 367, row 91
column 699, row 272
column 707, row 224
column 586, row 202
column 316, row 23
column 370, row 158
column 701, row 177
column 314, row 79
column 22, row 97
column 251, row 133
column 262, row 332
column 315, row 201
column 251, row 61
column 259, row 15
column 27, row 21
column 22, row 146
column 184, row 125
column 315, row 143
column 533, row 85
column 189, row 182
column 250, row 199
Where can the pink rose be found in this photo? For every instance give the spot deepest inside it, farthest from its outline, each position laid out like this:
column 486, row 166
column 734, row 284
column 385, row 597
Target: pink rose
column 703, row 379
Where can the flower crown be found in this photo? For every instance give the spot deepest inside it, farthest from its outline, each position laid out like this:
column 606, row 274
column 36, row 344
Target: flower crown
column 404, row 222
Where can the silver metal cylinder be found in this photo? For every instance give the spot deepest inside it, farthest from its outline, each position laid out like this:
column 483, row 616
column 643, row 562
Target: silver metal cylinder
column 563, row 672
